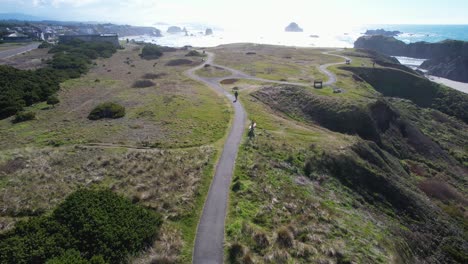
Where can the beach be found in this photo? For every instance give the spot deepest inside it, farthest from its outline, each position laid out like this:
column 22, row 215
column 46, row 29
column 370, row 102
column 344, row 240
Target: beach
column 463, row 87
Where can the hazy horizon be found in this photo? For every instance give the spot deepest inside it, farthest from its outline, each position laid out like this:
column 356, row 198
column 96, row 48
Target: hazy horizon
column 245, row 14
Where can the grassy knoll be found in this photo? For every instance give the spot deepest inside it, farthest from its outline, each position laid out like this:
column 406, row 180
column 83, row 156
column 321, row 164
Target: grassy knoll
column 278, row 214
column 274, row 62
column 328, row 168
column 161, row 154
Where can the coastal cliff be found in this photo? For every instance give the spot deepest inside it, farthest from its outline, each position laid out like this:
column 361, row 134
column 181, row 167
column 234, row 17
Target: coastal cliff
column 447, row 59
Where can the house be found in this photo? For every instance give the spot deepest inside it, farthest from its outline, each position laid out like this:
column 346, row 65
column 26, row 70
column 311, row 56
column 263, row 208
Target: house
column 16, row 37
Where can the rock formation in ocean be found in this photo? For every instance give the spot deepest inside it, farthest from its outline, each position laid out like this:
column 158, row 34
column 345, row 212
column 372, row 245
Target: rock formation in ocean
column 293, row 27
column 446, row 59
column 208, row 31
column 174, row 29
column 383, row 32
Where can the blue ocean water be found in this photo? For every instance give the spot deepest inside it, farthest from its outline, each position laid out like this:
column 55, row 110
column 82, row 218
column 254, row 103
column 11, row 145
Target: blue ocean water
column 428, row 33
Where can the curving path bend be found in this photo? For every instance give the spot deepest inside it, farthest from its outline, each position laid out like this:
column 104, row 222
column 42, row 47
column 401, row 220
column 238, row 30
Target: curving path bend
column 209, row 239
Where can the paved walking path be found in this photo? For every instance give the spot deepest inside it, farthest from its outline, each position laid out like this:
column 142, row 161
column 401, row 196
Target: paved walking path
column 209, row 239
column 12, row 52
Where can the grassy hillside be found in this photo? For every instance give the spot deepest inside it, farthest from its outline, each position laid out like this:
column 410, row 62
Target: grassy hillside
column 352, row 177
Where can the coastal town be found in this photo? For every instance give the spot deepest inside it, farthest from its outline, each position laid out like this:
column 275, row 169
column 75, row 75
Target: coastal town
column 19, row 31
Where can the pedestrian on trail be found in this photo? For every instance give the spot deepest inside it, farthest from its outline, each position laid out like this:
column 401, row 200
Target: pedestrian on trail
column 373, row 64
column 236, row 94
column 251, row 133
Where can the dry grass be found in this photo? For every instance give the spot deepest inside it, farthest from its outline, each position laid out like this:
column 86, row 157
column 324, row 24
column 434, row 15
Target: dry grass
column 164, row 180
column 442, row 191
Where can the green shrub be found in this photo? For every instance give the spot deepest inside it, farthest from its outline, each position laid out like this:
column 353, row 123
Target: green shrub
column 143, row 84
column 24, row 116
column 90, row 226
column 70, row 257
column 194, row 53
column 107, row 110
column 151, row 51
column 52, row 100
column 45, row 45
column 106, row 224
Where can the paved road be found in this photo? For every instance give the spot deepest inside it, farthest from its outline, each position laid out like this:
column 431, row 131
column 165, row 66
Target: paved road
column 324, row 68
column 209, row 239
column 12, row 52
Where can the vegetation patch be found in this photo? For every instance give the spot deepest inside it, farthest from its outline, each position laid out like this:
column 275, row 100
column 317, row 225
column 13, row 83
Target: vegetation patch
column 143, row 84
column 179, row 62
column 107, row 110
column 229, row 81
column 194, row 53
column 95, row 223
column 24, row 116
column 153, row 76
column 20, row 88
column 151, row 52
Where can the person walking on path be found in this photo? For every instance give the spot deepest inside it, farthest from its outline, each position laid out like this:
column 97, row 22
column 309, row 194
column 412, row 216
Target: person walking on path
column 236, row 94
column 251, row 133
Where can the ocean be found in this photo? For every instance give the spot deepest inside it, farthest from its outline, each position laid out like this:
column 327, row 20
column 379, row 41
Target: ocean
column 313, row 35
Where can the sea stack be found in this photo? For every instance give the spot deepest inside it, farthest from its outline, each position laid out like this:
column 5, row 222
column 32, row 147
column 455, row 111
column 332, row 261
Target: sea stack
column 293, row 27
column 174, row 29
column 208, row 31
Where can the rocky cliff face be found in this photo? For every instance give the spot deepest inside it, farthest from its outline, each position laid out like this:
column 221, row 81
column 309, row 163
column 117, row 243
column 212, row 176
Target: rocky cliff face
column 447, row 59
column 293, row 27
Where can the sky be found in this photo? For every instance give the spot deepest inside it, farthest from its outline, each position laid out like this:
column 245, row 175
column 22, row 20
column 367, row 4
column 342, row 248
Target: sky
column 246, row 13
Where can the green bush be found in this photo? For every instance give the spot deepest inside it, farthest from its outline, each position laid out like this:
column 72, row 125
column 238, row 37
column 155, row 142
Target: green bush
column 107, row 110
column 151, row 51
column 45, row 45
column 52, row 100
column 24, row 116
column 143, row 84
column 194, row 53
column 94, row 225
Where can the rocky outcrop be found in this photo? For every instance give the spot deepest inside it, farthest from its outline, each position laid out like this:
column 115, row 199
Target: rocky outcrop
column 208, row 32
column 455, row 68
column 126, row 30
column 174, row 29
column 293, row 27
column 382, row 32
column 447, row 59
